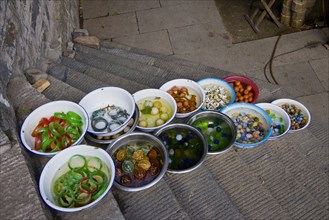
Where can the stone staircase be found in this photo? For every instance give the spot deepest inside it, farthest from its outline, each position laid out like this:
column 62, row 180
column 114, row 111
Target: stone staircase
column 274, row 181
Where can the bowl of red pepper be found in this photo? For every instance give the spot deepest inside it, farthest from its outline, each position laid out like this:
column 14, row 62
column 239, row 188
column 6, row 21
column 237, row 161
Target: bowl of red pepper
column 53, row 127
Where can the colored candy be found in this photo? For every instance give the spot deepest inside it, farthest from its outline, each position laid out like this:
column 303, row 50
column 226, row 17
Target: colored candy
column 297, row 117
column 249, row 129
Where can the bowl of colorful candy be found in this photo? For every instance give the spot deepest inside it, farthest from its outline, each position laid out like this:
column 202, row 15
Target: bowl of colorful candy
column 156, row 109
column 218, row 129
column 140, row 161
column 246, row 89
column 110, row 110
column 76, row 178
column 281, row 120
column 186, row 146
column 109, row 139
column 188, row 95
column 218, row 93
column 299, row 115
column 253, row 124
column 53, row 127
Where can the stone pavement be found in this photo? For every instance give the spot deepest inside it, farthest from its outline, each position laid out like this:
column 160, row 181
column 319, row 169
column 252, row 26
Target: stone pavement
column 284, row 179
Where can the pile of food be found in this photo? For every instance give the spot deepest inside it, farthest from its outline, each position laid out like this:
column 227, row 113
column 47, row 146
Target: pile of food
column 85, row 181
column 185, row 99
column 217, row 97
column 154, row 112
column 244, row 92
column 57, row 132
column 249, row 128
column 137, row 164
column 108, row 118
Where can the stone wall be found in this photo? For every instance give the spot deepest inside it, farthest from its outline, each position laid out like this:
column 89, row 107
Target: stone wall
column 34, row 32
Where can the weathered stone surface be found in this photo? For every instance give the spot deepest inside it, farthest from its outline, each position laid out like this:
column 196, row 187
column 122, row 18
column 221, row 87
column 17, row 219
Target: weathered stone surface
column 59, row 72
column 19, row 195
column 31, row 28
column 7, row 114
column 41, row 85
column 90, row 41
column 112, row 26
column 33, row 75
column 4, row 142
column 79, row 32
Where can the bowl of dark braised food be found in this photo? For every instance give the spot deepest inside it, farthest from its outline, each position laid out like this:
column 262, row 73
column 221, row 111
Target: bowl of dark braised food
column 140, row 161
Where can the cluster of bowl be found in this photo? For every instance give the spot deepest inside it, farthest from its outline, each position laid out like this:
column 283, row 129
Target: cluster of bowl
column 174, row 147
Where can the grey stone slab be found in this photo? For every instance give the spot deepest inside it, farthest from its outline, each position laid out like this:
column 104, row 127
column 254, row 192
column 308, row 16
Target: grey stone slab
column 321, row 68
column 157, row 41
column 196, row 37
column 95, row 8
column 177, row 16
column 58, row 90
column 19, row 195
column 298, row 79
column 119, row 7
column 168, row 3
column 112, row 26
column 245, row 189
column 319, row 108
column 283, row 172
column 202, row 197
column 157, row 202
column 107, row 208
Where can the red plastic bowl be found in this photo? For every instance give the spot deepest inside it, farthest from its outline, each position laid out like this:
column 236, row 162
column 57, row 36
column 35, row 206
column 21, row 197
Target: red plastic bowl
column 244, row 80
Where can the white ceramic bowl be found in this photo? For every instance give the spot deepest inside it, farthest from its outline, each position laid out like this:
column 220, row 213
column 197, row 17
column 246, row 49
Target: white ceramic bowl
column 223, row 90
column 151, row 94
column 108, row 96
column 304, row 112
column 193, row 88
column 49, row 174
column 280, row 118
column 46, row 111
column 236, row 111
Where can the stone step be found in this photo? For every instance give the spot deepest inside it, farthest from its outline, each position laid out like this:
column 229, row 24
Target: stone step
column 253, row 183
column 201, row 206
column 107, row 79
column 171, row 70
column 26, row 99
column 133, row 204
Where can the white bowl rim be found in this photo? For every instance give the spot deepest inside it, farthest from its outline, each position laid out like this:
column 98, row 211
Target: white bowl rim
column 266, row 116
column 220, row 82
column 120, row 128
column 202, row 99
column 283, row 112
column 287, row 100
column 54, row 160
column 42, row 107
column 165, row 94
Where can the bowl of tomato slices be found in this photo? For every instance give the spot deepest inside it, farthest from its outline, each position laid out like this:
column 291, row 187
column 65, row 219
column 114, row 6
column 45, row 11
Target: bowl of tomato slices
column 53, row 127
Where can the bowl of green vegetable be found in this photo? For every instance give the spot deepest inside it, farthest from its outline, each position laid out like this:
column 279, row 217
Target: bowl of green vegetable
column 76, row 178
column 53, row 127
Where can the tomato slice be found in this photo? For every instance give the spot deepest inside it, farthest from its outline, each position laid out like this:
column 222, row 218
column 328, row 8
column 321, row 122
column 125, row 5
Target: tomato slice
column 37, row 142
